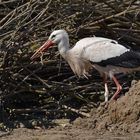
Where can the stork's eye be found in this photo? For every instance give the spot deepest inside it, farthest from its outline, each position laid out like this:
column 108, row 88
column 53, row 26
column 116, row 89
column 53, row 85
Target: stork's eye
column 53, row 36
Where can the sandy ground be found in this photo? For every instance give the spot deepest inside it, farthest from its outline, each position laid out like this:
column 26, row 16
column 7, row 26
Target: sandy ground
column 64, row 134
column 117, row 120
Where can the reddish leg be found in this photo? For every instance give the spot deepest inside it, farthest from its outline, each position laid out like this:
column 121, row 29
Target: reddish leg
column 118, row 87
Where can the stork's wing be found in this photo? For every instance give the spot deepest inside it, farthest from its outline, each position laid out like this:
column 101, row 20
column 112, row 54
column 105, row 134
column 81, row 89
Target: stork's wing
column 97, row 49
column 129, row 59
column 105, row 51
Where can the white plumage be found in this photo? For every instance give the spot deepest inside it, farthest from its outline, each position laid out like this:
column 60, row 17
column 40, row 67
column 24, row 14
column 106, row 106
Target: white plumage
column 103, row 54
column 97, row 49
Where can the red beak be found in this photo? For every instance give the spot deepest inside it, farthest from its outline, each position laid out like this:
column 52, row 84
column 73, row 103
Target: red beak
column 45, row 46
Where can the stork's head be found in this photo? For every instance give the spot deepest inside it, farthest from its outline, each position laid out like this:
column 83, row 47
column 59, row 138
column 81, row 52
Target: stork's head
column 54, row 38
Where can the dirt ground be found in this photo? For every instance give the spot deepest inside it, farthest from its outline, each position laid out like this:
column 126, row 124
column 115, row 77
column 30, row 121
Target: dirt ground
column 117, row 120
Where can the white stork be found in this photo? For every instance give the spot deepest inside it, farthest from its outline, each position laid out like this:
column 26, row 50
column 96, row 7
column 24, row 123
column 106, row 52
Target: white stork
column 105, row 55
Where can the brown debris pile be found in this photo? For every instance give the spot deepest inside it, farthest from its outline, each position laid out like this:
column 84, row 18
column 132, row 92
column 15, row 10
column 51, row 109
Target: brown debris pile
column 118, row 117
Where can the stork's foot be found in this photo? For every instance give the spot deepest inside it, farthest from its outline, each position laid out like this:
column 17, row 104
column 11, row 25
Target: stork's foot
column 104, row 104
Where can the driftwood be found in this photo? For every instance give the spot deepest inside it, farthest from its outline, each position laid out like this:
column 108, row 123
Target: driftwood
column 49, row 85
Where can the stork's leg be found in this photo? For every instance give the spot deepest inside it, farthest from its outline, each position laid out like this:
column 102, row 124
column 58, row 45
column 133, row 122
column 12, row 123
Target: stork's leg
column 106, row 94
column 118, row 87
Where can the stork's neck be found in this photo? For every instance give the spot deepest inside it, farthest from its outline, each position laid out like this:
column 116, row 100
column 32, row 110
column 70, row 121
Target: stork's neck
column 63, row 46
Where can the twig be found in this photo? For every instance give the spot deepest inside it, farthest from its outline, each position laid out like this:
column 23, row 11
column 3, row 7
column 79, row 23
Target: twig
column 76, row 111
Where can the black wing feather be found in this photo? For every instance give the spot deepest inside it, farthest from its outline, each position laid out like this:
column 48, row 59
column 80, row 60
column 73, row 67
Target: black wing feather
column 129, row 59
